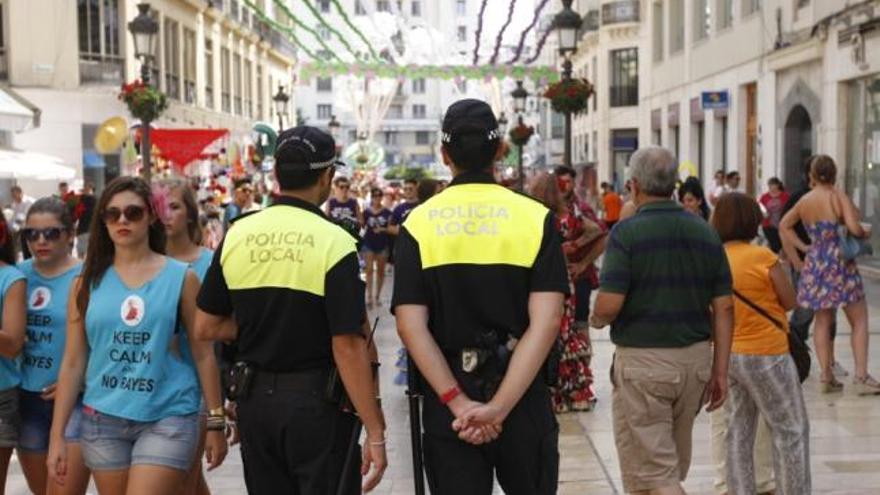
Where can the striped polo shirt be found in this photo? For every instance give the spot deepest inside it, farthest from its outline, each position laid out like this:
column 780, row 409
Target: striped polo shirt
column 670, row 265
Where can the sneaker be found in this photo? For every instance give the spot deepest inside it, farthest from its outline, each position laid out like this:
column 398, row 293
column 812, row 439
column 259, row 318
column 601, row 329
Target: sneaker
column 838, row 369
column 866, row 386
column 830, row 387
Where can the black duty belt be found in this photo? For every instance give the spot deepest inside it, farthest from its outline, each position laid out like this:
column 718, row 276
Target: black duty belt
column 297, row 381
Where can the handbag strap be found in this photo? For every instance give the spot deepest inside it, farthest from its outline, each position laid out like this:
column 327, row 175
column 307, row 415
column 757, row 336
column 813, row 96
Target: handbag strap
column 759, row 310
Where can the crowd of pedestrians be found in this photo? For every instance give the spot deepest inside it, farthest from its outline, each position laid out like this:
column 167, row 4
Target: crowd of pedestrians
column 118, row 316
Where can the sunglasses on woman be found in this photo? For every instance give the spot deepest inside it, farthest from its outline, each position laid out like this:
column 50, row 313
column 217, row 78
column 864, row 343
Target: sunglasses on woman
column 50, row 234
column 133, row 213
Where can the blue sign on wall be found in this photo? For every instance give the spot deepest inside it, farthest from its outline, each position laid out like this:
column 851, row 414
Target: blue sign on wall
column 715, row 99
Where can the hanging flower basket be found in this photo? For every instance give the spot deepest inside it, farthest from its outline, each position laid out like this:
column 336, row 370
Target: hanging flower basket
column 569, row 96
column 144, row 102
column 521, row 134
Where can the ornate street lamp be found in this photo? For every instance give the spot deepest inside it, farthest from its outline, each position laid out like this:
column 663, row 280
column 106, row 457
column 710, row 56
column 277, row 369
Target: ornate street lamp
column 567, row 23
column 143, row 29
column 335, row 129
column 281, row 98
column 520, row 97
column 502, row 124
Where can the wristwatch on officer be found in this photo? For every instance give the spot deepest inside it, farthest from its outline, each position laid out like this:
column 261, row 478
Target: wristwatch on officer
column 217, row 412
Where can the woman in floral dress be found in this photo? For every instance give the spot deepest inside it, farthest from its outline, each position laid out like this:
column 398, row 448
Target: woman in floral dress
column 574, row 387
column 827, row 281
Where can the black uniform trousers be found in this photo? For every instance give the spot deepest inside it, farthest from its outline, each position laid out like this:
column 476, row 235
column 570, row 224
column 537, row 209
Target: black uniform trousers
column 293, row 442
column 525, row 457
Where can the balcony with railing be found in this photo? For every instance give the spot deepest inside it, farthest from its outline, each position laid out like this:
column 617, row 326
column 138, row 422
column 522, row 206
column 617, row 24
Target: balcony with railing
column 282, row 43
column 620, row 11
column 189, row 92
column 172, row 86
column 98, row 70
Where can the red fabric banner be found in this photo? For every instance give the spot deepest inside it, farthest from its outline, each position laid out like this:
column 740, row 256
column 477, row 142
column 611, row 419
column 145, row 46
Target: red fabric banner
column 182, row 146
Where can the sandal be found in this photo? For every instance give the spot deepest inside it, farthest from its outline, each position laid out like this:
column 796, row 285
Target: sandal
column 866, row 386
column 830, row 387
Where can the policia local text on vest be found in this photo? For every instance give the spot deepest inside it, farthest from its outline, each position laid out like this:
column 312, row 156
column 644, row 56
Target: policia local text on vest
column 479, row 284
column 285, row 286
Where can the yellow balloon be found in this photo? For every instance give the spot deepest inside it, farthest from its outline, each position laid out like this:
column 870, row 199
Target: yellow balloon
column 111, row 135
column 687, row 169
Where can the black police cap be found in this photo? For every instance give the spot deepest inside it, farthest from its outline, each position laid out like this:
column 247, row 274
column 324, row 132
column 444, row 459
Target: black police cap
column 305, row 148
column 470, row 117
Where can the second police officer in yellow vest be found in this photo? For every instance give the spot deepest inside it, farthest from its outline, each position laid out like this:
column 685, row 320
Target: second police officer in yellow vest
column 479, row 284
column 289, row 279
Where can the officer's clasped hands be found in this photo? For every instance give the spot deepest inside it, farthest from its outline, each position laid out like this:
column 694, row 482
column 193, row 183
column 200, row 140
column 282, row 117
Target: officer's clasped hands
column 474, row 422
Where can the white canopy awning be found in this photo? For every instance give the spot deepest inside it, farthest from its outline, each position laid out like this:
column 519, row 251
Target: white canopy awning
column 16, row 113
column 15, row 164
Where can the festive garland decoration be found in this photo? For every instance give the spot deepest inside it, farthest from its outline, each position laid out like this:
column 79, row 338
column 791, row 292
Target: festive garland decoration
column 290, row 32
column 358, row 32
column 522, row 36
column 500, row 35
column 320, row 18
column 479, row 31
column 306, row 28
column 540, row 74
column 540, row 47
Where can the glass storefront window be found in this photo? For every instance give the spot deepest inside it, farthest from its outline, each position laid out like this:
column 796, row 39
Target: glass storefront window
column 863, row 156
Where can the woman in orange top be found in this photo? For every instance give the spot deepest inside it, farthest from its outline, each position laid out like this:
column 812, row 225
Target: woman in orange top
column 763, row 377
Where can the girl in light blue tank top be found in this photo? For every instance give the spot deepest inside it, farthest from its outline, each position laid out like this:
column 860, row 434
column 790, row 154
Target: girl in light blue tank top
column 141, row 396
column 49, row 233
column 184, row 237
column 12, row 336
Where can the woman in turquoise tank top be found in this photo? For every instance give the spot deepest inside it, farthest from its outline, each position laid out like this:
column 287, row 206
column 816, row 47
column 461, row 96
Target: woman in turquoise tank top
column 49, row 233
column 184, row 238
column 141, row 402
column 12, row 336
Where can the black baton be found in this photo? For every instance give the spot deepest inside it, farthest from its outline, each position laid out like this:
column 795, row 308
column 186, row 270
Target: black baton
column 413, row 392
column 355, row 431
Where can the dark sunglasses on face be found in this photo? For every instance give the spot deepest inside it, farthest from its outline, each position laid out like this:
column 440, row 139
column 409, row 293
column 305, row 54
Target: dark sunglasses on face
column 50, row 234
column 132, row 212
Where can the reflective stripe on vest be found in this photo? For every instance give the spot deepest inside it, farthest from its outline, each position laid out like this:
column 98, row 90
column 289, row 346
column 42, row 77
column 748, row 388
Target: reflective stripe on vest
column 283, row 247
column 480, row 224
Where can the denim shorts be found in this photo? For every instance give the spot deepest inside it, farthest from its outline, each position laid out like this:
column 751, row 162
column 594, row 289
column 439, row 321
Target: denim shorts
column 36, row 422
column 9, row 418
column 112, row 443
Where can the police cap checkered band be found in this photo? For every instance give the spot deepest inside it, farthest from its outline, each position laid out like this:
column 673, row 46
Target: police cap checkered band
column 469, row 117
column 305, row 148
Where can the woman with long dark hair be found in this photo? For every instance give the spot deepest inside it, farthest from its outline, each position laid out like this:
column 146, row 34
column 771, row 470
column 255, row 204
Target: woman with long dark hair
column 12, row 337
column 574, row 388
column 184, row 238
column 693, row 199
column 141, row 402
column 49, row 234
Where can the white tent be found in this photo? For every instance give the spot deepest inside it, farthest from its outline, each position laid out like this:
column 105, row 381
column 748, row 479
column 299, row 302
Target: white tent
column 26, row 165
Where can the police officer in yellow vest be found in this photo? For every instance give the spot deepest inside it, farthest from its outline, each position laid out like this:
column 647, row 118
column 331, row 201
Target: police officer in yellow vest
column 478, row 295
column 285, row 286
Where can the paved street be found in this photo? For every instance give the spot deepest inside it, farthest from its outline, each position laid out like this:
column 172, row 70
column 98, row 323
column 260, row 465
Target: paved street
column 845, row 433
